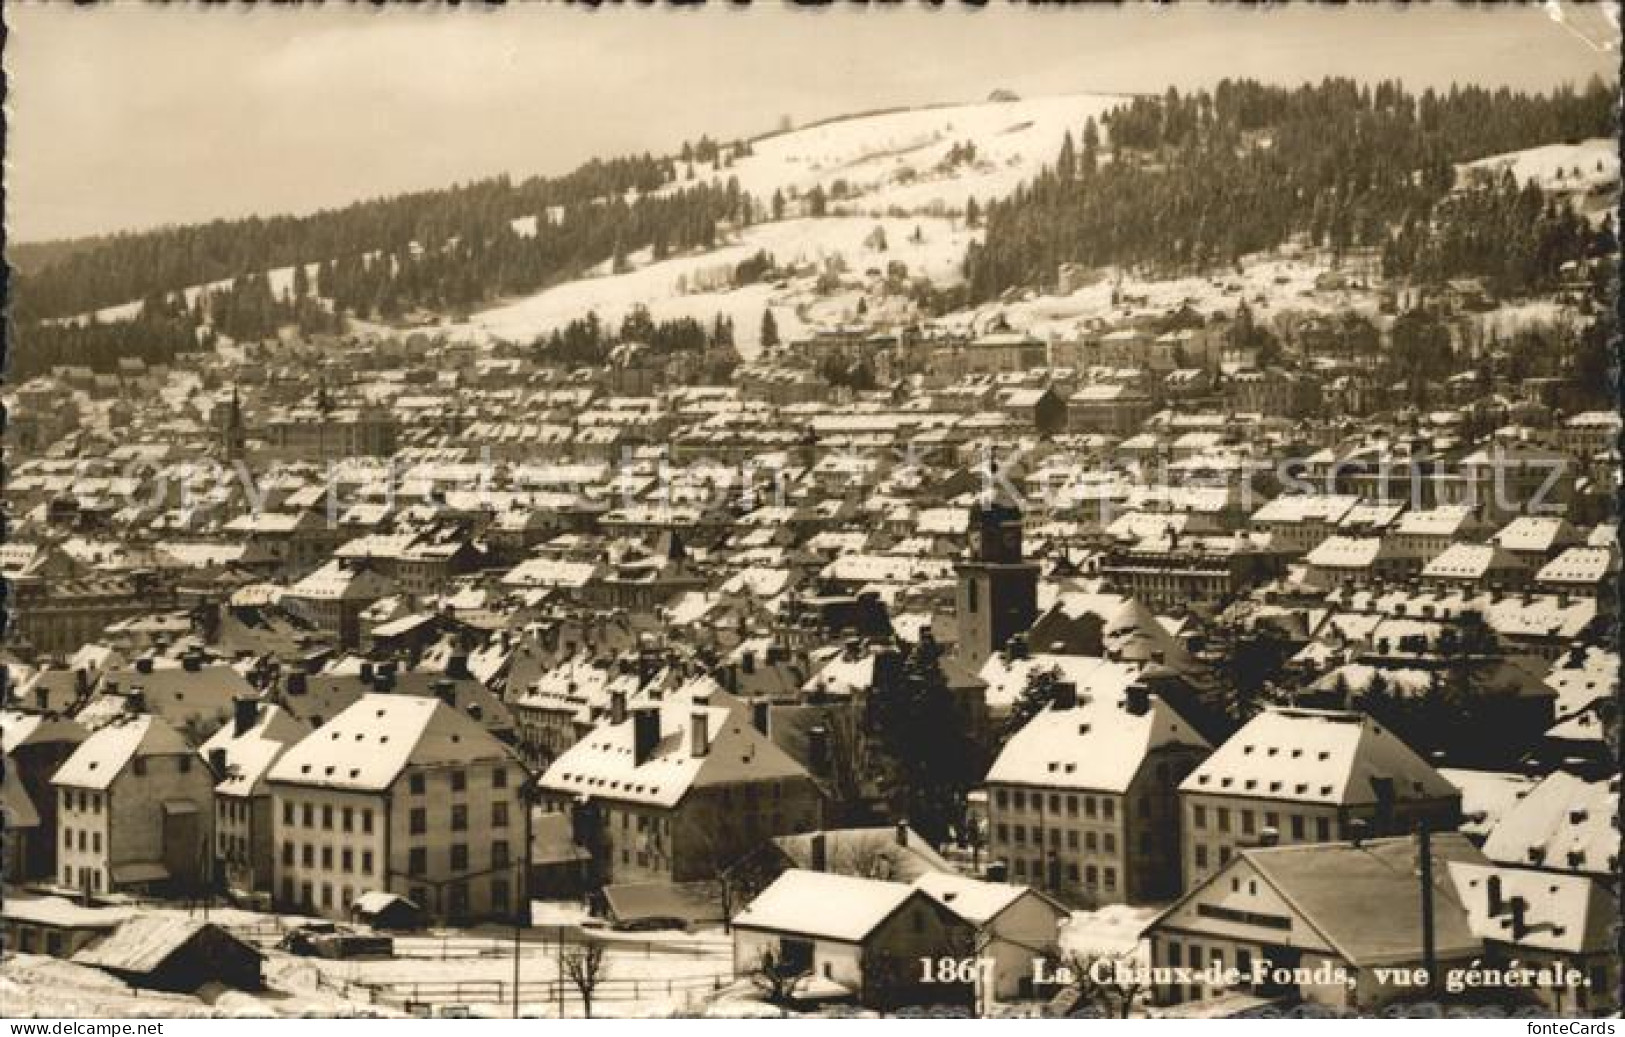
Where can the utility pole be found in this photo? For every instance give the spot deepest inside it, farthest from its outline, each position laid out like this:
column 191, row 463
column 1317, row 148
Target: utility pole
column 521, row 909
column 1424, row 855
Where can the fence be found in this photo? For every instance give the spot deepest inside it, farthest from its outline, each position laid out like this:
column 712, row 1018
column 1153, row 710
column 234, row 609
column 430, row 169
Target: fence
column 412, row 996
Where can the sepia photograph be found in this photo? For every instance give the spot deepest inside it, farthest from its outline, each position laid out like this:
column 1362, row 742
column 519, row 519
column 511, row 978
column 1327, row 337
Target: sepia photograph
column 815, row 510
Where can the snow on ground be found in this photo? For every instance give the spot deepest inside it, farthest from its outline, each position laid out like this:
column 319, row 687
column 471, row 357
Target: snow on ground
column 1552, row 167
column 1270, row 285
column 1113, row 929
column 661, row 286
column 892, row 159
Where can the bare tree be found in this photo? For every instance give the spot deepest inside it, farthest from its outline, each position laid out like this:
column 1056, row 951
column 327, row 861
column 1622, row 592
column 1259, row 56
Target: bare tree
column 586, row 965
column 775, row 977
column 1105, row 982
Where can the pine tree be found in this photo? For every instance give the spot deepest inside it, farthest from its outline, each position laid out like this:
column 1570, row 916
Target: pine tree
column 770, row 330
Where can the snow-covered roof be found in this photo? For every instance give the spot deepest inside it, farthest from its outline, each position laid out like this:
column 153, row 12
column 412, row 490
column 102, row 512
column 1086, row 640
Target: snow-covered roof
column 1315, row 756
column 820, row 904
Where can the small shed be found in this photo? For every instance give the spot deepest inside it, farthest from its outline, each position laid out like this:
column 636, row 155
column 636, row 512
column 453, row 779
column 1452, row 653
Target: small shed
column 387, row 911
column 175, row 953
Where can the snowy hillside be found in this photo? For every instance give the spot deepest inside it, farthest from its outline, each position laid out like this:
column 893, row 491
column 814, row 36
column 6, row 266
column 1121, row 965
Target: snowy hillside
column 1559, row 167
column 697, row 285
column 889, row 163
column 897, row 159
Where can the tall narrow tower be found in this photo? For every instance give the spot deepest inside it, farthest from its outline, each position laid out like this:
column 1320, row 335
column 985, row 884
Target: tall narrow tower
column 232, row 436
column 998, row 589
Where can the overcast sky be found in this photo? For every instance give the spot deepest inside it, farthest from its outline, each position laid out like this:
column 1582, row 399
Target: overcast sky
column 130, row 116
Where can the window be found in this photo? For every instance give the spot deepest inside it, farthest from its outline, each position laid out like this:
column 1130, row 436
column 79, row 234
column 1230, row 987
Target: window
column 459, row 818
column 67, row 838
column 417, row 861
column 1224, row 819
column 1108, row 843
column 327, row 894
column 1088, row 806
column 499, row 894
column 309, row 814
column 366, row 820
column 499, row 854
column 1246, row 822
column 186, row 765
column 327, row 856
column 1199, row 816
column 349, row 819
column 287, row 854
column 1021, row 800
column 140, row 765
column 1108, row 807
column 1001, row 798
column 459, row 781
column 1090, row 875
column 417, row 822
column 499, row 814
column 414, row 784
column 1297, row 828
column 499, row 778
column 972, row 594
column 1110, row 877
column 95, row 842
column 1001, row 833
column 307, row 855
column 327, row 818
column 1201, row 856
column 287, row 813
column 1091, row 841
column 1072, row 839
column 366, row 862
column 1072, row 806
column 459, row 857
column 1323, row 829
column 347, row 859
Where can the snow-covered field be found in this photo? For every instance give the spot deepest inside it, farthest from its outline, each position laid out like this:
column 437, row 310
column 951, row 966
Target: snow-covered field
column 1560, row 167
column 892, row 160
column 668, row 288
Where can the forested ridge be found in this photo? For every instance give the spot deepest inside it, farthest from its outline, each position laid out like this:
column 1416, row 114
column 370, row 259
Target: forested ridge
column 1184, row 183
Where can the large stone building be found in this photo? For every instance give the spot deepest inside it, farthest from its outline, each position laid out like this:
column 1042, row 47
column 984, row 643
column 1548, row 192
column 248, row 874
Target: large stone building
column 401, row 794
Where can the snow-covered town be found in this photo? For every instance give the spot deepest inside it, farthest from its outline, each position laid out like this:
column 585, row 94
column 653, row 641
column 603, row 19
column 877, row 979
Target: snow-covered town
column 858, row 584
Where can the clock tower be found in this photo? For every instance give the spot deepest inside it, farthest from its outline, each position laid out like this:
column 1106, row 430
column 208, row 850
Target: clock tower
column 998, row 589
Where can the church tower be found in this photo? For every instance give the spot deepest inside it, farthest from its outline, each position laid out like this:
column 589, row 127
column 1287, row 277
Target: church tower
column 232, row 435
column 998, row 588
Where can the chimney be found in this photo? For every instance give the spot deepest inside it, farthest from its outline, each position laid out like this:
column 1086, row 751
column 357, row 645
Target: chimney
column 1137, row 699
column 192, row 662
column 699, row 728
column 1269, row 836
column 645, row 734
column 820, row 852
column 244, row 711
column 446, row 691
column 818, row 749
column 761, row 716
column 144, row 664
column 997, row 871
column 296, row 682
column 366, row 673
column 900, row 830
column 747, row 662
column 217, row 763
column 1066, row 695
column 617, row 706
column 1357, row 829
column 1497, row 905
column 135, row 700
column 457, row 667
column 1520, row 924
